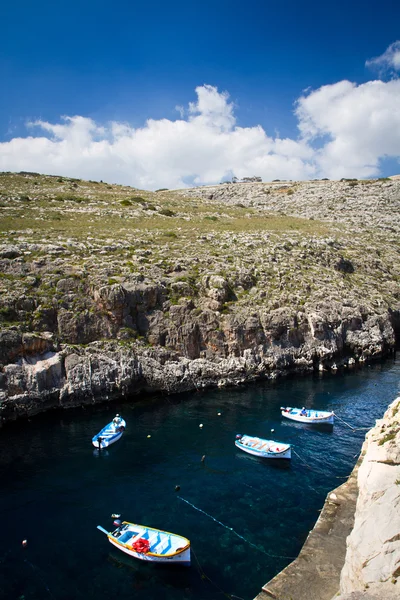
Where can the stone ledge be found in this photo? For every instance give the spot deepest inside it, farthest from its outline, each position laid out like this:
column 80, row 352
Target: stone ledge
column 315, row 574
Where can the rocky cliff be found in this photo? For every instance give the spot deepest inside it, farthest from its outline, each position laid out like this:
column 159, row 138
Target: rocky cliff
column 106, row 290
column 372, row 564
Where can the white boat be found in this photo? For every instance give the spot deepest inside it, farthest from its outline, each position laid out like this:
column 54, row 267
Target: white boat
column 263, row 448
column 110, row 433
column 147, row 543
column 307, row 415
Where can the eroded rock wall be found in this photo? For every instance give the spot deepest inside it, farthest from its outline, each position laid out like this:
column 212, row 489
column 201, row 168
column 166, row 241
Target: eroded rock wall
column 372, row 565
column 185, row 348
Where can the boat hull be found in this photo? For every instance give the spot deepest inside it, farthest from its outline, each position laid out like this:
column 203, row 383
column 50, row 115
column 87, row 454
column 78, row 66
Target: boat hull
column 149, row 544
column 106, row 443
column 109, row 435
column 283, row 453
column 182, row 559
column 322, row 418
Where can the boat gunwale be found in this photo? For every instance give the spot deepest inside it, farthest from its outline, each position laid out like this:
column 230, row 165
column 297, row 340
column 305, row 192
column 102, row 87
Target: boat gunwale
column 288, row 447
column 170, row 555
column 328, row 415
column 110, row 435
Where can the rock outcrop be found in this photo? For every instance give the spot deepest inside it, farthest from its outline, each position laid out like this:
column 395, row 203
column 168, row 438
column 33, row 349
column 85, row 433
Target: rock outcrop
column 184, row 349
column 372, row 564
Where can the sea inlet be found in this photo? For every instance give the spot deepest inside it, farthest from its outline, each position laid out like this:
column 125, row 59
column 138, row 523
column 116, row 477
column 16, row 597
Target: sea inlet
column 177, row 468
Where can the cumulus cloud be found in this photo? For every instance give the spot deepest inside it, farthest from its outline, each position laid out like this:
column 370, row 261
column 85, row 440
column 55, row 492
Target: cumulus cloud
column 359, row 126
column 388, row 62
column 344, row 130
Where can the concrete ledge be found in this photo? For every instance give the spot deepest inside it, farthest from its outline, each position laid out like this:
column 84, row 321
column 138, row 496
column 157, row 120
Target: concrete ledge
column 315, row 574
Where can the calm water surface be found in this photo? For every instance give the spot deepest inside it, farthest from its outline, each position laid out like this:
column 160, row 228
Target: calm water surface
column 55, row 488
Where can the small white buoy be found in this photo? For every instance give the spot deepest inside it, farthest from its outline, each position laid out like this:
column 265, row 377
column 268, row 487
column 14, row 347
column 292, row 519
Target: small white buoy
column 149, row 436
column 201, row 425
column 272, row 430
column 219, row 414
column 24, row 543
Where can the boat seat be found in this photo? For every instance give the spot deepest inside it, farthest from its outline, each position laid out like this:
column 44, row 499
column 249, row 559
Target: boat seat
column 154, row 540
column 126, row 536
column 168, row 547
column 163, row 546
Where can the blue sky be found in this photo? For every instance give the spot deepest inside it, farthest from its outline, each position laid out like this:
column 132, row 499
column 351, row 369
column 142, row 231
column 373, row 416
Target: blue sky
column 129, row 61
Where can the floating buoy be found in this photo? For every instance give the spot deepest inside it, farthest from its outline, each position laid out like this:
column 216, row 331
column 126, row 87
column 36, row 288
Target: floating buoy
column 219, row 414
column 24, row 543
column 272, row 430
column 115, row 516
column 201, row 425
column 203, row 458
column 149, row 436
column 177, row 488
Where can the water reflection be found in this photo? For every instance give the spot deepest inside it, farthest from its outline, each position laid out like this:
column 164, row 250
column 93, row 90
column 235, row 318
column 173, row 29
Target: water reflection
column 323, row 427
column 101, row 453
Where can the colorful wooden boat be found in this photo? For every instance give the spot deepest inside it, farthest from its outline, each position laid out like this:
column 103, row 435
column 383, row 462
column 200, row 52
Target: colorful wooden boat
column 147, row 543
column 310, row 416
column 110, row 433
column 263, row 448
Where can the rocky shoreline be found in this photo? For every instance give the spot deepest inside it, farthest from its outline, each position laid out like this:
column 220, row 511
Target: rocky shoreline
column 39, row 375
column 353, row 551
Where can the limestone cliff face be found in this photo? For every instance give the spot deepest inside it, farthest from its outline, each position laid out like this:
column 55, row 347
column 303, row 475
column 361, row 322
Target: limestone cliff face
column 372, row 566
column 185, row 347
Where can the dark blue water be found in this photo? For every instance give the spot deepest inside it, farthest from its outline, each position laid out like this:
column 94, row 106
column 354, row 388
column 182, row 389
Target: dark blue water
column 55, row 488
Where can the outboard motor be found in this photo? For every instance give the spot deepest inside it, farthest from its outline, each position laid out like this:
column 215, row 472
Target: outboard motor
column 239, row 436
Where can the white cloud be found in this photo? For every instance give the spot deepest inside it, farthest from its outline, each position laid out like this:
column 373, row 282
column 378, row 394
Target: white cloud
column 344, row 131
column 359, row 126
column 388, row 62
column 181, row 110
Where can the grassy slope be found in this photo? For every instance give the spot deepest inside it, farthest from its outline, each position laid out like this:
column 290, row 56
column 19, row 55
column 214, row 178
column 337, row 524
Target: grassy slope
column 110, row 233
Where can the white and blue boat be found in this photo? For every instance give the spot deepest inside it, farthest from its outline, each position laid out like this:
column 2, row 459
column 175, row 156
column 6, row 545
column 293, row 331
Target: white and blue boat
column 110, row 433
column 263, row 448
column 149, row 544
column 310, row 416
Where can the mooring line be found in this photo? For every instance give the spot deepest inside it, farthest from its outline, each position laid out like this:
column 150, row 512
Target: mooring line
column 302, row 459
column 264, row 492
column 235, row 532
column 351, row 427
column 2, row 559
column 204, row 576
column 36, row 571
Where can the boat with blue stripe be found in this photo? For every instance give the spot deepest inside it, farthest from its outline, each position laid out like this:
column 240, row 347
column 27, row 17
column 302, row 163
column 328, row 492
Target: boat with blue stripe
column 263, row 448
column 149, row 544
column 308, row 415
column 110, row 433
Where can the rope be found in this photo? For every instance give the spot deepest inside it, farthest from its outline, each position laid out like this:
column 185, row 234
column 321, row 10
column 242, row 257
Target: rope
column 351, row 427
column 35, row 570
column 204, row 576
column 302, row 459
column 235, row 532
